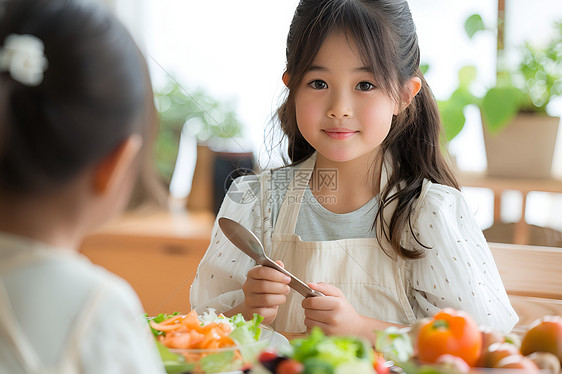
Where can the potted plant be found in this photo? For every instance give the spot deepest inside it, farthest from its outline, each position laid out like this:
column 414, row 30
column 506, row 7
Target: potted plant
column 206, row 123
column 513, row 111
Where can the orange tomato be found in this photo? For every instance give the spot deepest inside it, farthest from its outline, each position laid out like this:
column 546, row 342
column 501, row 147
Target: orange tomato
column 545, row 335
column 450, row 332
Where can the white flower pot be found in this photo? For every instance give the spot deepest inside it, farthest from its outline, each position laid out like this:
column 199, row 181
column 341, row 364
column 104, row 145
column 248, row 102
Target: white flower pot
column 524, row 149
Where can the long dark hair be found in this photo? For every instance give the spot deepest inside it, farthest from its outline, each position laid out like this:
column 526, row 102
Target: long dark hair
column 94, row 94
column 386, row 37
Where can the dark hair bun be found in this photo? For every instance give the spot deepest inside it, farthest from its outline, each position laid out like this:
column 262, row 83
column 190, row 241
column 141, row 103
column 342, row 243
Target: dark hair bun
column 92, row 92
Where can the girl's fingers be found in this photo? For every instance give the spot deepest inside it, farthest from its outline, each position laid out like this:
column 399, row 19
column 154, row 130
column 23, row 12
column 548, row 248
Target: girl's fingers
column 320, row 303
column 265, row 300
column 325, row 316
column 326, row 289
column 268, row 314
column 269, row 274
column 310, row 323
column 261, row 286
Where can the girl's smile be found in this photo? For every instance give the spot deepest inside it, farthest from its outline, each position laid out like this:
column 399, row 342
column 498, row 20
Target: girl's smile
column 340, row 110
column 339, row 133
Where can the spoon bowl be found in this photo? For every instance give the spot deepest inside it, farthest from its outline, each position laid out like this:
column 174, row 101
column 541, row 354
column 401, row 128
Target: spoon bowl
column 248, row 243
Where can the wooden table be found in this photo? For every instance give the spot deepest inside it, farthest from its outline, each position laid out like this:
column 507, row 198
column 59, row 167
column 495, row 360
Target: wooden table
column 156, row 251
column 499, row 185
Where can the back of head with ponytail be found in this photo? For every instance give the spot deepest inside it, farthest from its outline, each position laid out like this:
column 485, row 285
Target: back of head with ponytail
column 92, row 96
column 386, row 37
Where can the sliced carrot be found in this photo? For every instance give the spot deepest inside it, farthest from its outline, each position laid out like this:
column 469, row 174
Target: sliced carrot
column 172, row 320
column 178, row 341
column 164, row 327
column 226, row 342
column 225, row 327
column 191, row 320
column 187, row 332
column 210, row 337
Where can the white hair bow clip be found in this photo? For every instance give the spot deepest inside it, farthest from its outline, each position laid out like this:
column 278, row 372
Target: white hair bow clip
column 22, row 56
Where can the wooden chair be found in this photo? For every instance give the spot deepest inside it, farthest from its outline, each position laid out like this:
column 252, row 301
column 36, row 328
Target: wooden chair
column 532, row 277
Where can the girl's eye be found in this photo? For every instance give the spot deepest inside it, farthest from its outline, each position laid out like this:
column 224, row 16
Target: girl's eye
column 365, row 86
column 318, row 85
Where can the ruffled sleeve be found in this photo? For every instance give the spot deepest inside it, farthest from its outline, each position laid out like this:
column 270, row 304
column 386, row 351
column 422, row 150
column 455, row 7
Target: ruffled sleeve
column 222, row 271
column 458, row 270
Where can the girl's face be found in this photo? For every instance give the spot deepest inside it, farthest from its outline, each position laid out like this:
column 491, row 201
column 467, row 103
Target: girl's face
column 339, row 108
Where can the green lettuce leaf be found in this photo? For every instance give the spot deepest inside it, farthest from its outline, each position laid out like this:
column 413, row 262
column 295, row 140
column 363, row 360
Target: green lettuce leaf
column 246, row 334
column 394, row 344
column 173, row 363
column 219, row 362
column 331, row 351
column 159, row 318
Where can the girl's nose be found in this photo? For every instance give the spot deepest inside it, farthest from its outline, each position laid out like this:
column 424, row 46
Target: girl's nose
column 340, row 108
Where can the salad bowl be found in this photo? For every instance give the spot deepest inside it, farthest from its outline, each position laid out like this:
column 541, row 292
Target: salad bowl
column 227, row 359
column 209, row 343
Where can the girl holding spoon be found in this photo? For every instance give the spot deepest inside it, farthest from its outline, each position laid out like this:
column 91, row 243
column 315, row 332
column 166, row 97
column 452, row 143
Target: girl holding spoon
column 368, row 209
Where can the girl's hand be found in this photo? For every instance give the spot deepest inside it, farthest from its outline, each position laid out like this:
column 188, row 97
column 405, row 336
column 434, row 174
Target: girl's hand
column 332, row 313
column 265, row 289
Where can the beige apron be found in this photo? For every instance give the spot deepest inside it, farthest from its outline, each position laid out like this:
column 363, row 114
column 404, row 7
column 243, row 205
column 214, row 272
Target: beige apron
column 373, row 283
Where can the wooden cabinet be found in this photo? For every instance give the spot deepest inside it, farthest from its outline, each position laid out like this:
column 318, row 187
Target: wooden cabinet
column 157, row 252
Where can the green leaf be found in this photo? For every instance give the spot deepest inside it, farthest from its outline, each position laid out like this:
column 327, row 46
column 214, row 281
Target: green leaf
column 453, row 119
column 499, row 107
column 173, row 363
column 363, row 367
column 424, row 68
column 219, row 362
column 316, row 365
column 159, row 318
column 467, row 74
column 474, row 24
column 246, row 334
column 322, row 352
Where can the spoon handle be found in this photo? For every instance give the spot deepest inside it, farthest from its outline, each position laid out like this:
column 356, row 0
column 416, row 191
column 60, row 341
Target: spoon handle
column 296, row 284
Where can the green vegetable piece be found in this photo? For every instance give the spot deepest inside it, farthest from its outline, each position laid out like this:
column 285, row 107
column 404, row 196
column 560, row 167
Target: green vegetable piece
column 159, row 318
column 246, row 334
column 394, row 344
column 219, row 362
column 173, row 363
column 331, row 351
column 315, row 365
column 361, row 366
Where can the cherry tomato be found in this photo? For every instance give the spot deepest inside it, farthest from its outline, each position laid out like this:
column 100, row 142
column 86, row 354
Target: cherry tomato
column 450, row 332
column 267, row 355
column 496, row 352
column 270, row 359
column 545, row 335
column 489, row 336
column 380, row 365
column 290, row 366
column 518, row 362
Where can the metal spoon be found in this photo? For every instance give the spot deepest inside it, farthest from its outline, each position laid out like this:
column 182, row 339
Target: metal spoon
column 248, row 243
